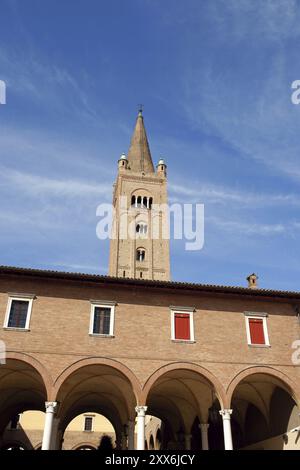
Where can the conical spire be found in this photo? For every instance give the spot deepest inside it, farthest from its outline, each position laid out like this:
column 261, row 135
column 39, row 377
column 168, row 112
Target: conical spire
column 139, row 156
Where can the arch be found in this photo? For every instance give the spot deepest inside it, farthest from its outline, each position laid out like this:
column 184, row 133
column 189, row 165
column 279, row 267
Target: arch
column 220, row 393
column 140, row 254
column 66, row 373
column 287, row 383
column 84, row 446
column 38, row 366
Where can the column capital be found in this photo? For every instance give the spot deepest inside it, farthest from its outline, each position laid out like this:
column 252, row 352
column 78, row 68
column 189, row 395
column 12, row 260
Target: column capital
column 204, row 426
column 225, row 413
column 51, row 406
column 141, row 410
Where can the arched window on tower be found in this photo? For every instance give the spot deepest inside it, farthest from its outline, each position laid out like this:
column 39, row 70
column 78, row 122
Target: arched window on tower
column 141, row 229
column 139, row 201
column 150, row 202
column 133, row 201
column 145, row 200
column 140, row 254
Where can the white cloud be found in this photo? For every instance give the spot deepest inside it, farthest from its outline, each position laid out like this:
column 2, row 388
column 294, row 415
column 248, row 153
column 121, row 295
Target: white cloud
column 35, row 185
column 240, row 227
column 221, row 195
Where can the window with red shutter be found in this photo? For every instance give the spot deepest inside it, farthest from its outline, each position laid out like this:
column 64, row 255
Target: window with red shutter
column 256, row 328
column 182, row 326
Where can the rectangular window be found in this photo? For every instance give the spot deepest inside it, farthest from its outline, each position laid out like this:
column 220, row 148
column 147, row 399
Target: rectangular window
column 88, row 423
column 18, row 314
column 102, row 319
column 182, row 324
column 256, row 329
column 101, row 324
column 18, row 311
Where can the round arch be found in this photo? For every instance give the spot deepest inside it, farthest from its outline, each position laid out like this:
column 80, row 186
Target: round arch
column 35, row 364
column 76, row 366
column 284, row 380
column 84, row 446
column 24, row 385
column 218, row 388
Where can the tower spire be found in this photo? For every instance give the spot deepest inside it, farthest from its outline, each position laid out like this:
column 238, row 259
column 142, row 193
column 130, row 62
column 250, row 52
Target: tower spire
column 139, row 156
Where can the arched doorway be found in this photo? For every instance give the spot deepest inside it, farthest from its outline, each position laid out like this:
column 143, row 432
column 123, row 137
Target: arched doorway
column 181, row 397
column 266, row 412
column 97, row 388
column 22, row 388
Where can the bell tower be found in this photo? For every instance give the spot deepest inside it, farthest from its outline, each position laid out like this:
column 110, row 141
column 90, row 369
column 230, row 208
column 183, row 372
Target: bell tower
column 139, row 247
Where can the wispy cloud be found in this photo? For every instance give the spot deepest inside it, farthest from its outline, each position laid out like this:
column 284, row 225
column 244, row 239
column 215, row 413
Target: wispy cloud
column 35, row 185
column 247, row 229
column 29, row 76
column 223, row 195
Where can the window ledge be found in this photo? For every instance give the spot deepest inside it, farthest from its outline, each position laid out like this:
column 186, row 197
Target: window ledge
column 259, row 345
column 86, row 430
column 189, row 341
column 14, row 328
column 101, row 336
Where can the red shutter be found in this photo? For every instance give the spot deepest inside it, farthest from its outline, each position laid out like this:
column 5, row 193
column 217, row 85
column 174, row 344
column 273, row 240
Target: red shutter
column 256, row 331
column 182, row 326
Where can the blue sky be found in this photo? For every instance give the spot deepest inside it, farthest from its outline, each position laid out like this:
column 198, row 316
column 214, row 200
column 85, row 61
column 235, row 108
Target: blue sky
column 215, row 80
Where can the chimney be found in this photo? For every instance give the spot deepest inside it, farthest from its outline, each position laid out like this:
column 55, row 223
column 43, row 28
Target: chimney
column 252, row 281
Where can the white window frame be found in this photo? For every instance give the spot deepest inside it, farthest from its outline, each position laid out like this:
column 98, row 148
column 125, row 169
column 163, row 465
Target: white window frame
column 257, row 316
column 184, row 310
column 23, row 297
column 102, row 304
column 88, row 416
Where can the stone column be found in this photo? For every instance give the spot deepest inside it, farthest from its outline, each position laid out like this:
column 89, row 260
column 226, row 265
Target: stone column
column 55, row 437
column 50, row 412
column 141, row 412
column 131, row 426
column 227, row 428
column 204, row 435
column 187, row 441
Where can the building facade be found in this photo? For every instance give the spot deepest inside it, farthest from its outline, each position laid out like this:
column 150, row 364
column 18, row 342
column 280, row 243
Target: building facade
column 170, row 365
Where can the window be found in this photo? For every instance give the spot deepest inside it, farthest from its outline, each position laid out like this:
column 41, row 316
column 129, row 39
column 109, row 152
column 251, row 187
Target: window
column 102, row 318
column 256, row 329
column 88, row 423
column 141, row 229
column 141, row 202
column 18, row 311
column 140, row 254
column 182, row 324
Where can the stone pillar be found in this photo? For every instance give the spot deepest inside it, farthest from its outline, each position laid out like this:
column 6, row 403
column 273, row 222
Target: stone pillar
column 50, row 412
column 141, row 412
column 131, row 426
column 204, row 435
column 227, row 428
column 187, row 441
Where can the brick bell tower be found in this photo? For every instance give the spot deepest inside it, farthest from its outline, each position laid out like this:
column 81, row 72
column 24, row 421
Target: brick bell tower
column 138, row 191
